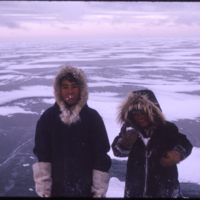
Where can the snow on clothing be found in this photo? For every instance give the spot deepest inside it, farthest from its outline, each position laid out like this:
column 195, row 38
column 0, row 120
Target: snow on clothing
column 145, row 176
column 75, row 144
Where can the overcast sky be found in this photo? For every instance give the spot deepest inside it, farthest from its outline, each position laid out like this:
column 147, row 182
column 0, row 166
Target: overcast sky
column 97, row 19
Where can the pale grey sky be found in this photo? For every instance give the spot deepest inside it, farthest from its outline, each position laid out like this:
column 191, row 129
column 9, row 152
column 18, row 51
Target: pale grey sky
column 97, row 19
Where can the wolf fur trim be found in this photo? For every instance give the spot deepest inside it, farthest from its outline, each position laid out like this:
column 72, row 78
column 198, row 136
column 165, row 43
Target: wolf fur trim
column 42, row 178
column 138, row 101
column 70, row 115
column 100, row 183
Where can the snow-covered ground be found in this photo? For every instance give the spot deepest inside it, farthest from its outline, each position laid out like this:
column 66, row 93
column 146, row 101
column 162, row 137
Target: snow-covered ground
column 27, row 72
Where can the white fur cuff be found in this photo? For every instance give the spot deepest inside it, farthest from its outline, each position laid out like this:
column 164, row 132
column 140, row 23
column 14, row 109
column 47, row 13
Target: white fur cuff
column 100, row 183
column 42, row 178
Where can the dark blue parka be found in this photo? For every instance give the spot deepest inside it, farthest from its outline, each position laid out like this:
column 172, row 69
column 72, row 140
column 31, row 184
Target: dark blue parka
column 145, row 176
column 74, row 151
column 74, row 142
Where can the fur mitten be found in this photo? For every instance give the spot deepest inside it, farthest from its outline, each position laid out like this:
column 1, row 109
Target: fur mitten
column 127, row 139
column 42, row 178
column 100, row 183
column 170, row 158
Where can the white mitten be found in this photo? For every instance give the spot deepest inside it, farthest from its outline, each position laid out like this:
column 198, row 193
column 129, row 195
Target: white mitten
column 100, row 183
column 42, row 178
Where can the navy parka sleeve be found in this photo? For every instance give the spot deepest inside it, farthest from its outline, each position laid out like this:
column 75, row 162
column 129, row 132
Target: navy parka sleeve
column 42, row 148
column 100, row 142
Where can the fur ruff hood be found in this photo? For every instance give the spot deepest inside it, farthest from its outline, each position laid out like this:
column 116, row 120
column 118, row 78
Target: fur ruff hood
column 69, row 116
column 144, row 100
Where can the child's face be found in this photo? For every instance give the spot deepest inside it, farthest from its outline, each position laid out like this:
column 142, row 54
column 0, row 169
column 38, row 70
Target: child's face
column 70, row 92
column 141, row 119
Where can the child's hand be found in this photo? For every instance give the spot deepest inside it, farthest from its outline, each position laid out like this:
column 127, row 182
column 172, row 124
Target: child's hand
column 170, row 158
column 128, row 139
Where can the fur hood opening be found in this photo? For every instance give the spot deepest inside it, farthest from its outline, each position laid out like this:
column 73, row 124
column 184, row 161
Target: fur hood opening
column 69, row 116
column 144, row 100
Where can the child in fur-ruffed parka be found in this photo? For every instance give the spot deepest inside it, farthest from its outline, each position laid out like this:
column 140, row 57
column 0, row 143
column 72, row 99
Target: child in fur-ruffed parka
column 71, row 143
column 154, row 147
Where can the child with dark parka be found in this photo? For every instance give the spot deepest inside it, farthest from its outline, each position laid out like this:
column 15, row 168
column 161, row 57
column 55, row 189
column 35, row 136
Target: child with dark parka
column 71, row 142
column 154, row 147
